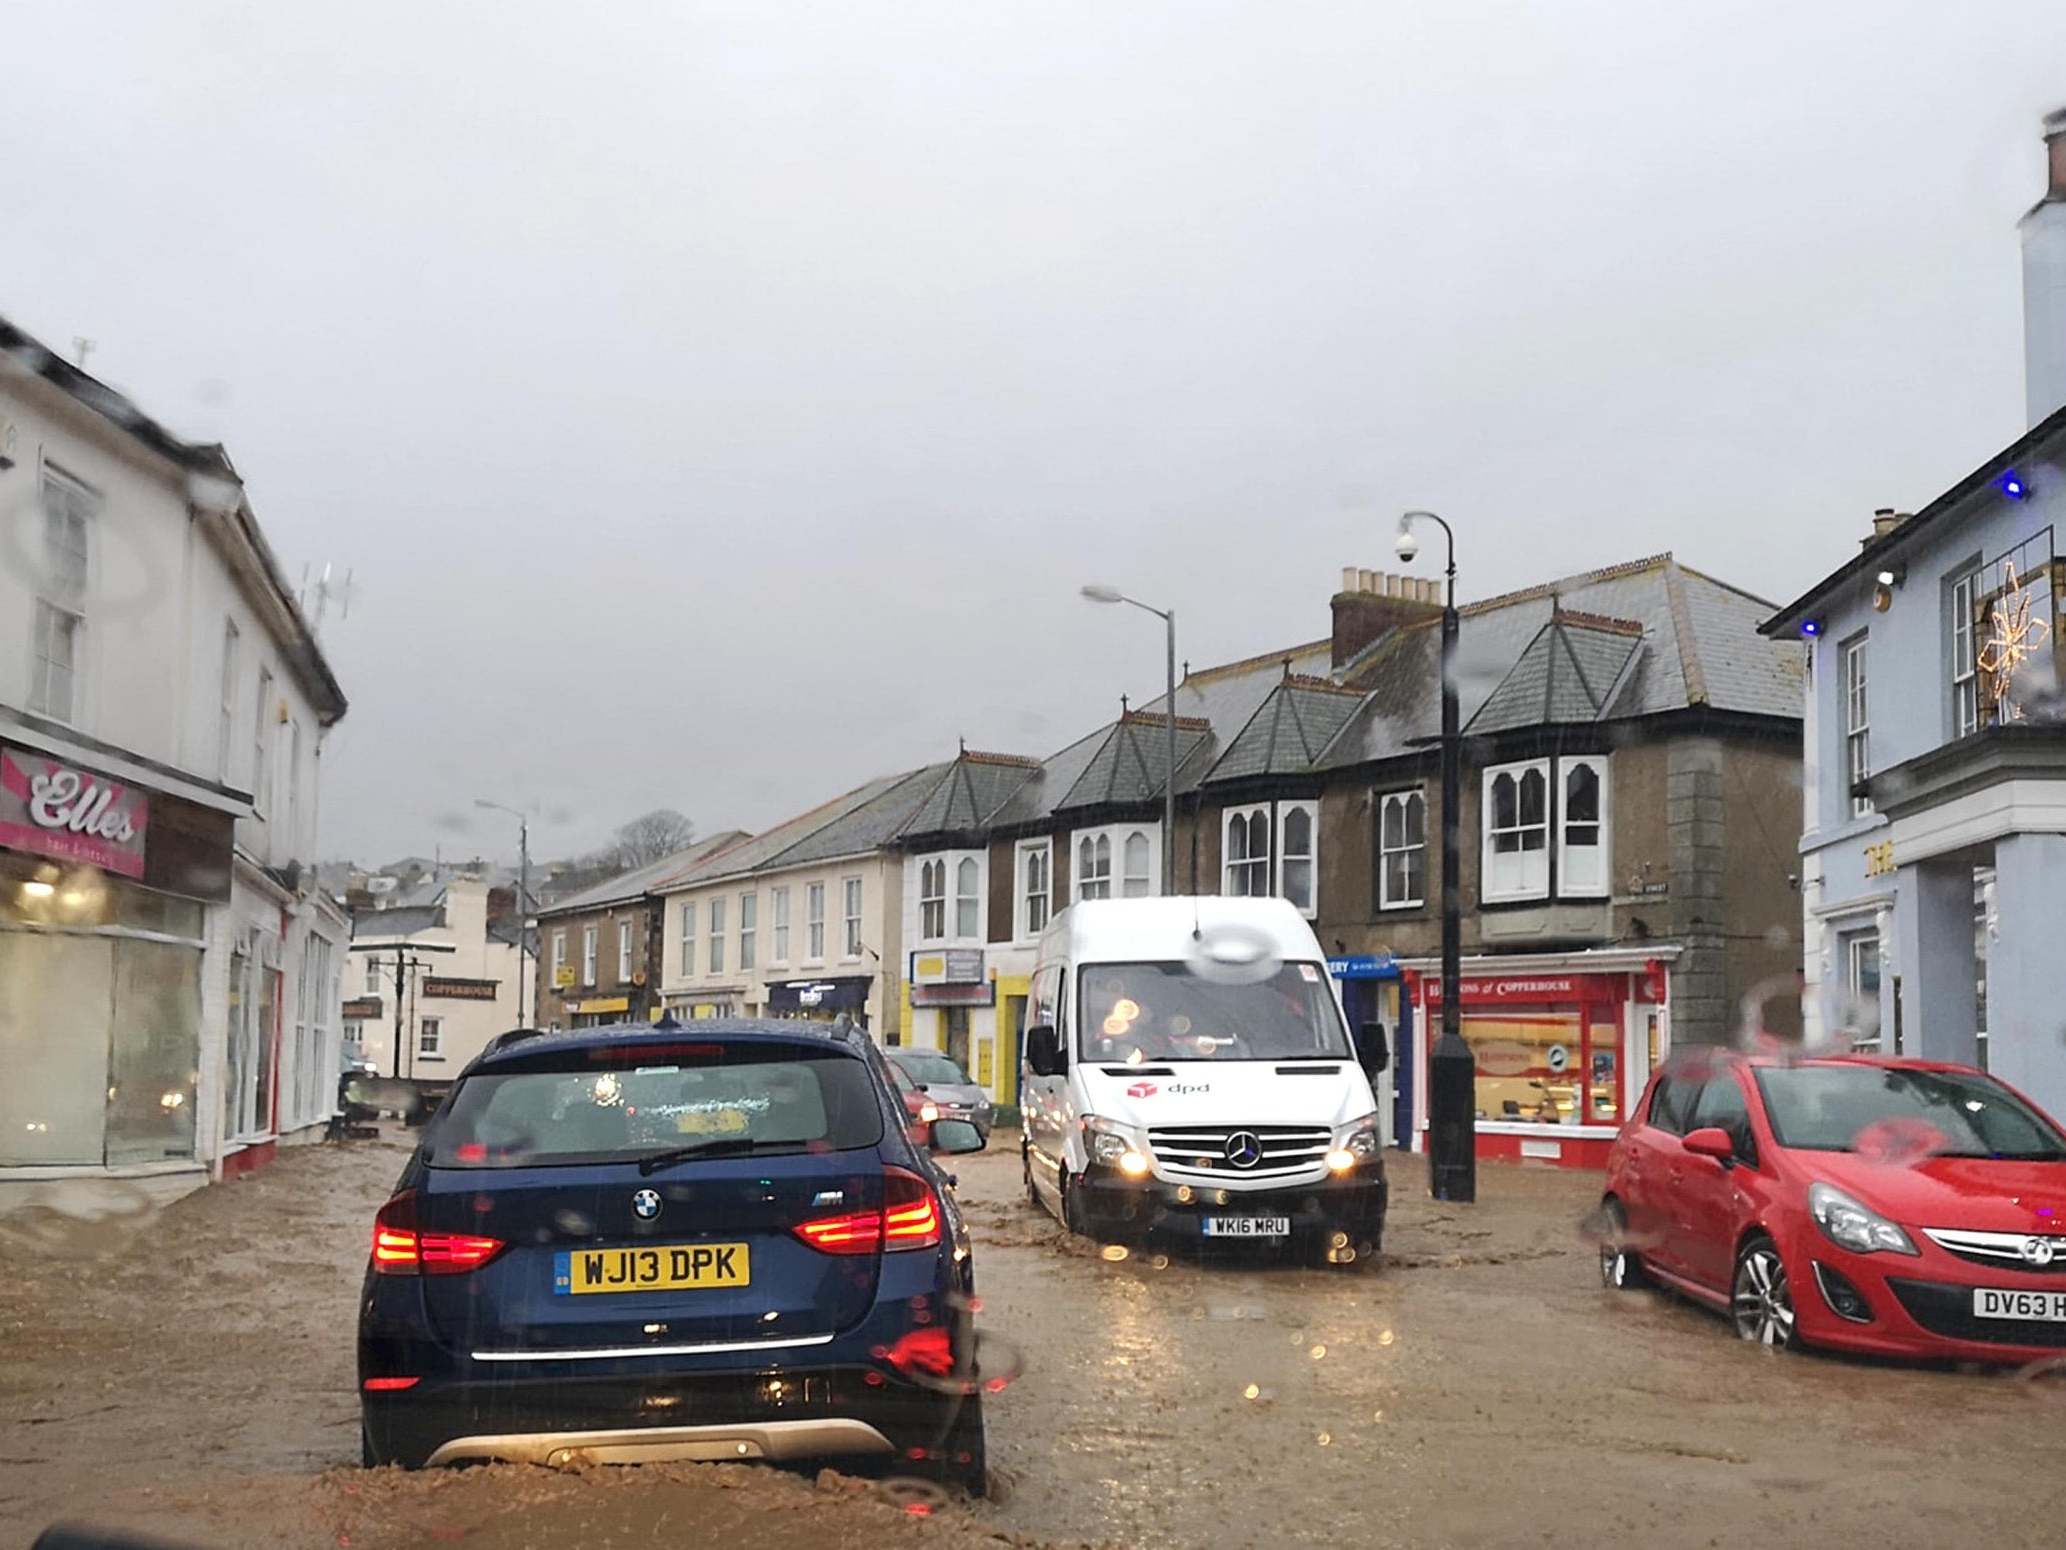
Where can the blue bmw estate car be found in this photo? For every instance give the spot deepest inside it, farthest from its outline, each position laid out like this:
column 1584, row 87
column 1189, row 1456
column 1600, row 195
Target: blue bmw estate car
column 709, row 1241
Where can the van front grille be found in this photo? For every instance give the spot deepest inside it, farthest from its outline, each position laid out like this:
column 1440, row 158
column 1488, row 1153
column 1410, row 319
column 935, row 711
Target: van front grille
column 1208, row 1151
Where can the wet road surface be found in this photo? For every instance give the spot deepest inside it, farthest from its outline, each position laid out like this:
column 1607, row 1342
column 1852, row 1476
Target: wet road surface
column 192, row 1370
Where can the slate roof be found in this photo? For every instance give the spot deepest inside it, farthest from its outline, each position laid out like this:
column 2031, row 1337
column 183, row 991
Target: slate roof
column 650, row 878
column 1568, row 673
column 868, row 825
column 762, row 849
column 1131, row 764
column 973, row 788
column 1288, row 730
column 1699, row 647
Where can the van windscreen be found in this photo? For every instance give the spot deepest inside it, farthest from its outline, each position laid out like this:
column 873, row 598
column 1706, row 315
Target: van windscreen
column 1165, row 1011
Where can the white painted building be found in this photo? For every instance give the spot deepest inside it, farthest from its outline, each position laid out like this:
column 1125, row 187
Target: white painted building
column 169, row 973
column 451, row 973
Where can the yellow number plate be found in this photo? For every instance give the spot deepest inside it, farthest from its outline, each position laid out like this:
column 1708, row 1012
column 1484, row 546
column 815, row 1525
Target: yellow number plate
column 662, row 1268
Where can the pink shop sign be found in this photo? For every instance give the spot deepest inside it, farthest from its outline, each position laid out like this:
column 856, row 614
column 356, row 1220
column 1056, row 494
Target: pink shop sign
column 56, row 809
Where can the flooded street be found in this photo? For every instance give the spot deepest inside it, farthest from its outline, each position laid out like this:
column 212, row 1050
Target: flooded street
column 192, row 1372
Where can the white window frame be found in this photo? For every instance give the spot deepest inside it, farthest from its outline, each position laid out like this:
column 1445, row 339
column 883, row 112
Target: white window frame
column 430, row 1037
column 65, row 501
column 373, row 968
column 1526, row 887
column 261, row 747
column 688, row 936
column 1033, row 863
column 1136, row 883
column 1402, row 800
column 226, row 721
column 1602, row 768
column 932, row 898
column 778, row 911
column 1854, row 688
column 624, row 952
column 591, row 937
column 716, row 955
column 1310, row 905
column 968, row 898
column 559, row 958
column 851, row 898
column 1109, row 877
column 1965, row 674
column 814, row 923
column 749, row 931
column 1858, row 944
column 1256, row 877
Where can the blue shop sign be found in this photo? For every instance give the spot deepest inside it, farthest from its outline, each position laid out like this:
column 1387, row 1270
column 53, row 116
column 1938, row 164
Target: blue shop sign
column 1364, row 966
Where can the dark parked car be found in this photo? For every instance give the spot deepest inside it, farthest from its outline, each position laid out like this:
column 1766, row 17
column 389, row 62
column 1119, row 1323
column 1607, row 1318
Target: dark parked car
column 947, row 1085
column 650, row 1242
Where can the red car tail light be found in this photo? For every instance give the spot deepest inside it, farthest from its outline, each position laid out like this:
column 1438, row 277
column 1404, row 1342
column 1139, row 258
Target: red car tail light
column 389, row 1385
column 909, row 1218
column 400, row 1249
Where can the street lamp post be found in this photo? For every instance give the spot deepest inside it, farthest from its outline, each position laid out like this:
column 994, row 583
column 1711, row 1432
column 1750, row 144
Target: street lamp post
column 1452, row 1079
column 1102, row 594
column 525, row 963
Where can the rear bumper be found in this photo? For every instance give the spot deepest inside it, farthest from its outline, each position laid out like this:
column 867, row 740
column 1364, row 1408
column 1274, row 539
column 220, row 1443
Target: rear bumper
column 715, row 1443
column 1351, row 1203
column 775, row 1413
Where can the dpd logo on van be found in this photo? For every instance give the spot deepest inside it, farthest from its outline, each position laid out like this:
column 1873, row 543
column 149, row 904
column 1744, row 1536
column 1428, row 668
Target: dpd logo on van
column 1141, row 1090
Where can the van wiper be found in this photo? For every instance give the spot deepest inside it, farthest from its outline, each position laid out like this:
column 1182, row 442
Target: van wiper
column 727, row 1146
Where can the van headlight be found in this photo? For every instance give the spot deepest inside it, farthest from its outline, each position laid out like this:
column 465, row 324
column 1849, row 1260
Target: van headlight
column 1111, row 1143
column 1355, row 1144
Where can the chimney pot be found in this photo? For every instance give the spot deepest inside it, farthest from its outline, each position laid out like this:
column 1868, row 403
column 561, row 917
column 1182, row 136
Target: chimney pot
column 1349, row 573
column 1368, row 580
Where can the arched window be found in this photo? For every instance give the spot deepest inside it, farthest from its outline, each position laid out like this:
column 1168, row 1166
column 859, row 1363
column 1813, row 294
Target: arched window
column 1295, row 864
column 1135, row 882
column 932, row 900
column 967, row 906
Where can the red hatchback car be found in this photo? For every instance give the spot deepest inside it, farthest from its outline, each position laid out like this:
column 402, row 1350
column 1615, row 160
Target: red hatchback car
column 1900, row 1207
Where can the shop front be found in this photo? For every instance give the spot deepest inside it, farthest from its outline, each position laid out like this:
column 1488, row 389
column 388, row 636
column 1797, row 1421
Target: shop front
column 1561, row 1045
column 106, row 894
column 1371, row 989
column 821, row 1000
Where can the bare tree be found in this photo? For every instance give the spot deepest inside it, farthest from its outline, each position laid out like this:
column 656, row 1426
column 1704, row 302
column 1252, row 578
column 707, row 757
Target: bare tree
column 647, row 838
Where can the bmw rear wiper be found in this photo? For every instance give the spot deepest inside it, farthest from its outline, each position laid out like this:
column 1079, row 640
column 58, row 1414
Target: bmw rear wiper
column 725, row 1146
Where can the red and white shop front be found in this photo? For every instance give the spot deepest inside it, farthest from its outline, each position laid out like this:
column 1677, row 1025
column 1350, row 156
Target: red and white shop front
column 1562, row 1044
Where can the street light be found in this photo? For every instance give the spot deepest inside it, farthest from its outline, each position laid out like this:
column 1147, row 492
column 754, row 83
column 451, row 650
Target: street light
column 525, row 964
column 1452, row 1105
column 1102, row 594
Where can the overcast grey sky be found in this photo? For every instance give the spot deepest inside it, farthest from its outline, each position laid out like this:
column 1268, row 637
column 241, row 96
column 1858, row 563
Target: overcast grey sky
column 721, row 403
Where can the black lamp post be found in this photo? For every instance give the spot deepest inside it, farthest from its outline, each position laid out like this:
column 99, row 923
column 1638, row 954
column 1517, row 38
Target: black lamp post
column 1452, row 1078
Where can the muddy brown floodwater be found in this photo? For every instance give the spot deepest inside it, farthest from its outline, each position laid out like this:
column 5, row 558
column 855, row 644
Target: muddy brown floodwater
column 191, row 1371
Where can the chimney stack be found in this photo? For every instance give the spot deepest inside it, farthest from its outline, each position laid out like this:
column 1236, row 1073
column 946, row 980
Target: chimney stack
column 1372, row 603
column 2044, row 281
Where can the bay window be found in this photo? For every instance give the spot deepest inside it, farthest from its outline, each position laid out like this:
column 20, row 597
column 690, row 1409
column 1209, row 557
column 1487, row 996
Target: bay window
column 1036, row 877
column 967, row 906
column 1402, row 850
column 1245, row 868
column 1135, row 881
column 1094, row 867
column 1517, row 831
column 1298, row 825
column 932, row 900
column 1527, row 803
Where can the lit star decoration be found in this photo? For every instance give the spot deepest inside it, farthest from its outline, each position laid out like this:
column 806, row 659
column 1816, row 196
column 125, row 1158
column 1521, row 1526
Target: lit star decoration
column 2015, row 634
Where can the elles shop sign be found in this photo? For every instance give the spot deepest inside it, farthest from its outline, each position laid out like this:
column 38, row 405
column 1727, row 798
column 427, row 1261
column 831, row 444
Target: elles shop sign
column 55, row 809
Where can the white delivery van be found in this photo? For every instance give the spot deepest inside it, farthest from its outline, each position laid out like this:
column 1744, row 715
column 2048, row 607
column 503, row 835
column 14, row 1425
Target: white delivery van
column 1188, row 1071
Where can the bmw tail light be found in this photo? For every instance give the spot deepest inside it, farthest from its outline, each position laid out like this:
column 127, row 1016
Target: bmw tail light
column 401, row 1249
column 909, row 1218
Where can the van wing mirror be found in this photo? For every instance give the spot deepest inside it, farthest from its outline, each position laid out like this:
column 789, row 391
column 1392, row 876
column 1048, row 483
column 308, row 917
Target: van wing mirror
column 1043, row 1050
column 1377, row 1053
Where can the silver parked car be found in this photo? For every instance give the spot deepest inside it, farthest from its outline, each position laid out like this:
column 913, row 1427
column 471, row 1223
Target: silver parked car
column 948, row 1086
